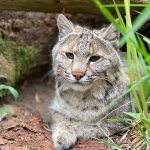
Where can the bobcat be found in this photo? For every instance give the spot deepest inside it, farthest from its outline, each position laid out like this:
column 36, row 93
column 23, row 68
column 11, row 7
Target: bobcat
column 89, row 76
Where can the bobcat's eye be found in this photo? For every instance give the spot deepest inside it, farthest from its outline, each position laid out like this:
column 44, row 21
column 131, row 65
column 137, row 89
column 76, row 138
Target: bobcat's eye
column 70, row 55
column 94, row 58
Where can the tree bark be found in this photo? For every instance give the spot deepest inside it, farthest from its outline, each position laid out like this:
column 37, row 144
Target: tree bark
column 15, row 60
column 23, row 41
column 57, row 6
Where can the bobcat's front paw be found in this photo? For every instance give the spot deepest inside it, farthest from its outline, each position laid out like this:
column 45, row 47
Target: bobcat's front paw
column 63, row 140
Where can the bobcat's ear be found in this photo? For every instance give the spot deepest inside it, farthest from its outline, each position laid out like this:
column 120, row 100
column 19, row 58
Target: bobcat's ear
column 64, row 25
column 112, row 35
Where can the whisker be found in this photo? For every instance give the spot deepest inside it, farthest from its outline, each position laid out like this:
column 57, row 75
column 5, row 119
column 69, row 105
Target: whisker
column 50, row 73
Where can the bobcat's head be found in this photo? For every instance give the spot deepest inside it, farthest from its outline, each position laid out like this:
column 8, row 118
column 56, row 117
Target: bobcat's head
column 81, row 54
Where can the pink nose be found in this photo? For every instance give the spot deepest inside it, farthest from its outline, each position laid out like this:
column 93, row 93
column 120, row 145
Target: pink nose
column 78, row 75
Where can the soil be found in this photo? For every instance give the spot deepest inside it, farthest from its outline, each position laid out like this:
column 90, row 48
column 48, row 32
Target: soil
column 27, row 127
column 23, row 131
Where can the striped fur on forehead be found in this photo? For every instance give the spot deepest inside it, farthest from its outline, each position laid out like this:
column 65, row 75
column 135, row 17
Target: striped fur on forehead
column 85, row 41
column 90, row 43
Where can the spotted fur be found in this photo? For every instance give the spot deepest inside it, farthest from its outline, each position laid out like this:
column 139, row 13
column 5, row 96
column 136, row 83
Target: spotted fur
column 82, row 109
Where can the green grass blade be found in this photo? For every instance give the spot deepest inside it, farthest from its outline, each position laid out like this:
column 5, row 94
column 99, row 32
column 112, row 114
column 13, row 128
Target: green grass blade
column 121, row 120
column 142, row 49
column 119, row 17
column 108, row 15
column 134, row 115
column 143, row 133
column 10, row 89
column 140, row 21
column 147, row 138
column 112, row 145
column 146, row 39
column 143, row 68
column 129, row 48
column 144, row 79
column 5, row 110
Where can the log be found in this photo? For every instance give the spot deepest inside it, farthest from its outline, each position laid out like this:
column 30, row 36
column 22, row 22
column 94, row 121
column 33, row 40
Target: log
column 58, row 6
column 14, row 60
column 23, row 41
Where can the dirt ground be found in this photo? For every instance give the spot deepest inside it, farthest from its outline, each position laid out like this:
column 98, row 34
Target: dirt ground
column 26, row 128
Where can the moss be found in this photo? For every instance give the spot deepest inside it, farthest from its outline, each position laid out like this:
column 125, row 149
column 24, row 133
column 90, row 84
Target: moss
column 20, row 57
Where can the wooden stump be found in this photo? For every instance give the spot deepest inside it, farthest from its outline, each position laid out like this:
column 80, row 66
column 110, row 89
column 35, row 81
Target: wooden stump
column 59, row 6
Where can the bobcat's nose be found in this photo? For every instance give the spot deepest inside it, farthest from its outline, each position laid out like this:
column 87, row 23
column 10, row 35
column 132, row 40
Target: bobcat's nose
column 78, row 75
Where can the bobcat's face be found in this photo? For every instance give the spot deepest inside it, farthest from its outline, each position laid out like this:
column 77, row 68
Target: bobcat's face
column 81, row 55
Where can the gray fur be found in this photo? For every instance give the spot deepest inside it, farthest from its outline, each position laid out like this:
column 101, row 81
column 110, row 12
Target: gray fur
column 78, row 109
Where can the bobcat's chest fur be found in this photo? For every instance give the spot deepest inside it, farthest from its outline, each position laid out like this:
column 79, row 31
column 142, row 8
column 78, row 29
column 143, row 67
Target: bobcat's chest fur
column 85, row 106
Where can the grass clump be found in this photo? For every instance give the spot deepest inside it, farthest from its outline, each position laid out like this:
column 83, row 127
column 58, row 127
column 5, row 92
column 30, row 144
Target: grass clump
column 3, row 90
column 137, row 56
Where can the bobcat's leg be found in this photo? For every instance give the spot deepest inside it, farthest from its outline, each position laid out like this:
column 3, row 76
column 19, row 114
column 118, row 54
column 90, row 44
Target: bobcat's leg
column 63, row 132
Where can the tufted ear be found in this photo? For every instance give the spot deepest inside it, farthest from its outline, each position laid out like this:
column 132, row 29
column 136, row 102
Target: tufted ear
column 112, row 35
column 64, row 25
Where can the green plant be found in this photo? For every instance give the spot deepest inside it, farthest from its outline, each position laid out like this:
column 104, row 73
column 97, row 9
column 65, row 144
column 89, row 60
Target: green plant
column 3, row 90
column 5, row 110
column 137, row 56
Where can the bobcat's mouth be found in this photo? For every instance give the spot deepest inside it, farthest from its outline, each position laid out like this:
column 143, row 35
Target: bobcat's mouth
column 81, row 83
column 78, row 86
column 77, row 83
column 73, row 81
